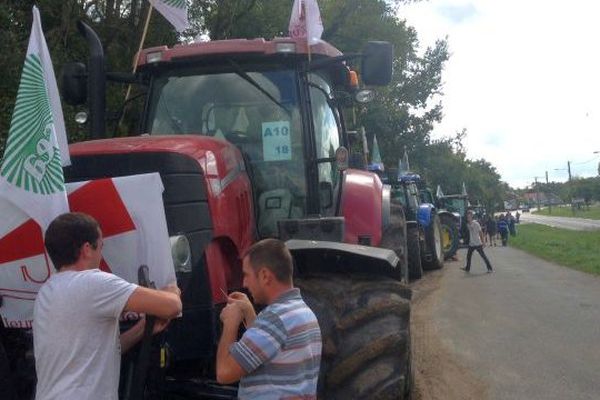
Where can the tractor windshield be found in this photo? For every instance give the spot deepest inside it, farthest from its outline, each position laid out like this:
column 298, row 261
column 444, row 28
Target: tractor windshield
column 257, row 111
column 457, row 205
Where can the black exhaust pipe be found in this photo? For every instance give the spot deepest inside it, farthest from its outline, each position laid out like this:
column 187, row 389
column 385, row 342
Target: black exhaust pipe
column 96, row 82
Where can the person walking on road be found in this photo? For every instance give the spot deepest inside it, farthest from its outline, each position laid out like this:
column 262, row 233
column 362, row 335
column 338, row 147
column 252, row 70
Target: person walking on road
column 491, row 230
column 511, row 224
column 476, row 240
column 503, row 229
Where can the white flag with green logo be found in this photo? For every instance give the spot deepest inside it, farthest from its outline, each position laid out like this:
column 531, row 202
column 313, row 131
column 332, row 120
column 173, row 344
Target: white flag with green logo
column 31, row 175
column 175, row 11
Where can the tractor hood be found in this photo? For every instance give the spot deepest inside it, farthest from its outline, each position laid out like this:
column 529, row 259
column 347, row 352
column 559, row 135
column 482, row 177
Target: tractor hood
column 216, row 156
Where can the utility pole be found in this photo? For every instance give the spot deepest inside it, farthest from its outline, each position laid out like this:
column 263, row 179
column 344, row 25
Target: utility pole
column 569, row 169
column 537, row 193
column 548, row 198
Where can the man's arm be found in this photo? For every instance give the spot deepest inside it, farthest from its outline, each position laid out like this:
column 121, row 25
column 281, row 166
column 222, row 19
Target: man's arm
column 228, row 369
column 130, row 337
column 164, row 303
column 481, row 236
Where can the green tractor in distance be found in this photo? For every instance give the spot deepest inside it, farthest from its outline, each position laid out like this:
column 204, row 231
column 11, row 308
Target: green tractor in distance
column 452, row 210
column 423, row 225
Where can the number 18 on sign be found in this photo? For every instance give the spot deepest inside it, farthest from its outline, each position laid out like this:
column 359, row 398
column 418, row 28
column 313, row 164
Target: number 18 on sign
column 277, row 145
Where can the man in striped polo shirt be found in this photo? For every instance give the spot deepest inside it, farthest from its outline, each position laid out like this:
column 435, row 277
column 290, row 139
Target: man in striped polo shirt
column 278, row 356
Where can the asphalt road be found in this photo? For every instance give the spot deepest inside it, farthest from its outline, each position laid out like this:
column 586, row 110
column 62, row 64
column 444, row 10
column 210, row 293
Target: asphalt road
column 530, row 330
column 578, row 224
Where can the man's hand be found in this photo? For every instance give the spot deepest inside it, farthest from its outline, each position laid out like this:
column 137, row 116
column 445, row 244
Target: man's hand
column 172, row 288
column 243, row 302
column 232, row 315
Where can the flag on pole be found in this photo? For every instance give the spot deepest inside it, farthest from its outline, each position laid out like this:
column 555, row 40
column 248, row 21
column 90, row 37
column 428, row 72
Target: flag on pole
column 31, row 175
column 175, row 11
column 376, row 162
column 305, row 21
column 438, row 192
column 403, row 165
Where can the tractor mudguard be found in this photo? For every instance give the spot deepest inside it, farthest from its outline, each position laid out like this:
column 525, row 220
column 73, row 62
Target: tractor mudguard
column 424, row 214
column 322, row 256
column 362, row 205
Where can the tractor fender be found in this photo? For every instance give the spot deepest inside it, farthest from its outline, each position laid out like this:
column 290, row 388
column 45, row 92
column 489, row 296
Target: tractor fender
column 425, row 214
column 453, row 215
column 311, row 256
column 363, row 203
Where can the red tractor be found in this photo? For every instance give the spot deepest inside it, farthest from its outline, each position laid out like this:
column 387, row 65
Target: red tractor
column 250, row 142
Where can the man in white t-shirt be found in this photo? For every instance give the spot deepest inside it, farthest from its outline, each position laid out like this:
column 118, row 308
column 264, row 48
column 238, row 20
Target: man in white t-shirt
column 77, row 345
column 476, row 242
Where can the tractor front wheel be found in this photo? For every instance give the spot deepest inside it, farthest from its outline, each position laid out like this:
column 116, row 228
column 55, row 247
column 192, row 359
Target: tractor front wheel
column 450, row 237
column 433, row 239
column 365, row 326
column 415, row 267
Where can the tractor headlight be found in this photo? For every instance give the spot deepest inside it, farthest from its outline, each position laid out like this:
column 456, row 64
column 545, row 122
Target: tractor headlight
column 181, row 253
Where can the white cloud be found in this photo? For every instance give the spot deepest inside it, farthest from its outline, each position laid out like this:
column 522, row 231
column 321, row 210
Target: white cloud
column 523, row 78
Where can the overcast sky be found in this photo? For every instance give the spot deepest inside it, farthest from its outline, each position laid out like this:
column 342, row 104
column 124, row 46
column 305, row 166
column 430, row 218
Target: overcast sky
column 523, row 78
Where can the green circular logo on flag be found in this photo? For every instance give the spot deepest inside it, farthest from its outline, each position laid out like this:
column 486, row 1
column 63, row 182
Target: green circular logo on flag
column 32, row 159
column 175, row 3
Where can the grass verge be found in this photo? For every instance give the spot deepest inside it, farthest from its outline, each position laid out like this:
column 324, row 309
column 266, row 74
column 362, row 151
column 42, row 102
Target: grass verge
column 592, row 213
column 573, row 249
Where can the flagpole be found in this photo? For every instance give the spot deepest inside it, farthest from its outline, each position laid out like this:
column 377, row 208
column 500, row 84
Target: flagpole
column 307, row 30
column 137, row 55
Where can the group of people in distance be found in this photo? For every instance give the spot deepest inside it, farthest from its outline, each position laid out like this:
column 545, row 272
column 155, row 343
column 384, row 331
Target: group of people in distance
column 499, row 227
column 486, row 232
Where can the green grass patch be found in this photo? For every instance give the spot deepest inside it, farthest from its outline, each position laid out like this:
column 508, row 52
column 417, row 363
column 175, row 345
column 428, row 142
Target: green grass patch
column 574, row 249
column 592, row 213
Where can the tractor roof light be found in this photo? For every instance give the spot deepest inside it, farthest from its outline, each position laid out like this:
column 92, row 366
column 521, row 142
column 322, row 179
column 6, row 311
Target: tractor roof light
column 285, row 47
column 154, row 57
column 365, row 96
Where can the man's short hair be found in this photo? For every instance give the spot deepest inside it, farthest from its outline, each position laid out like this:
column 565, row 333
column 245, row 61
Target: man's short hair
column 66, row 234
column 273, row 255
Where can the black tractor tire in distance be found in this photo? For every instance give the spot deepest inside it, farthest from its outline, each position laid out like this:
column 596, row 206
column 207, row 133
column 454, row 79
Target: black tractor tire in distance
column 450, row 237
column 394, row 238
column 415, row 267
column 365, row 327
column 433, row 239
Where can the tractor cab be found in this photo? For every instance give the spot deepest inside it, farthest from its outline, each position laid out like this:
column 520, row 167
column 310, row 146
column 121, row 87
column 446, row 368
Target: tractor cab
column 279, row 105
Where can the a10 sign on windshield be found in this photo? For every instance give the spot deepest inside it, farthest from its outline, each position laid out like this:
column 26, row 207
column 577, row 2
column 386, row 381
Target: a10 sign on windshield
column 277, row 145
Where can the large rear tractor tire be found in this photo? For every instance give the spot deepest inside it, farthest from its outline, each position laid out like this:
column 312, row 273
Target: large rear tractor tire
column 365, row 326
column 415, row 267
column 450, row 236
column 433, row 239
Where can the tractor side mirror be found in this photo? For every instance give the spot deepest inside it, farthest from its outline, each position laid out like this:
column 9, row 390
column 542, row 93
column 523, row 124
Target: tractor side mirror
column 73, row 83
column 376, row 68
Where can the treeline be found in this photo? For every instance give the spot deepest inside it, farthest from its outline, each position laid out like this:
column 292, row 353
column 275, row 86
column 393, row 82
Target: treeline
column 402, row 116
column 587, row 189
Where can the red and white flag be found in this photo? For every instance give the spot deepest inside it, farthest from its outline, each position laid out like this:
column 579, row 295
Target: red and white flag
column 132, row 218
column 305, row 21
